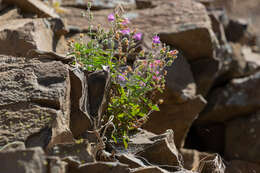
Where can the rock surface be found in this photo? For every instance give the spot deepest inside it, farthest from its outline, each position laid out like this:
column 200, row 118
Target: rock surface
column 39, row 91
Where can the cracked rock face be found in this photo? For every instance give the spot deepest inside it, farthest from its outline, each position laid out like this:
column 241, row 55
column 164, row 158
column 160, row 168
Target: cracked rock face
column 34, row 98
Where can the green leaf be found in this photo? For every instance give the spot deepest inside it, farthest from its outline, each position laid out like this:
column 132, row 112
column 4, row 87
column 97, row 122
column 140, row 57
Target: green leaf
column 155, row 108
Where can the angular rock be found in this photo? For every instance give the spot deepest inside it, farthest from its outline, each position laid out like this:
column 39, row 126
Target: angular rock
column 242, row 138
column 98, row 89
column 107, row 167
column 180, row 90
column 239, row 97
column 34, row 6
column 9, row 13
column 80, row 151
column 242, row 166
column 149, row 169
column 162, row 152
column 100, row 4
column 34, row 101
column 236, row 29
column 143, row 4
column 205, row 72
column 13, row 146
column 19, row 36
column 202, row 162
column 30, row 160
column 130, row 160
column 209, row 137
column 178, row 117
column 80, row 119
column 55, row 165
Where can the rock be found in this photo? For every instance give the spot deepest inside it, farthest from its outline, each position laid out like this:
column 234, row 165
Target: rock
column 80, row 151
column 18, row 36
column 80, row 119
column 34, row 6
column 149, row 169
column 130, row 160
column 55, row 165
column 236, row 29
column 98, row 89
column 191, row 158
column 202, row 162
column 242, row 166
column 35, row 101
column 180, row 90
column 13, row 146
column 107, row 167
column 100, row 4
column 178, row 117
column 162, row 152
column 239, row 97
column 10, row 13
column 143, row 4
column 30, row 160
column 210, row 137
column 205, row 72
column 242, row 134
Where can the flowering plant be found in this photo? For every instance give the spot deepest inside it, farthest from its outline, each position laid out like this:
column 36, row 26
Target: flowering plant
column 134, row 85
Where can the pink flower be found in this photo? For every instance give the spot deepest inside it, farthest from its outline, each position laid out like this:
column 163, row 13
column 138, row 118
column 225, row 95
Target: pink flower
column 125, row 21
column 157, row 61
column 138, row 36
column 125, row 31
column 157, row 72
column 156, row 39
column 154, row 77
column 111, row 17
column 151, row 65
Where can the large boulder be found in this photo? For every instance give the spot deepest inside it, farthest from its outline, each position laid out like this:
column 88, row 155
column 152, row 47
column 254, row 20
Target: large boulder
column 202, row 162
column 35, row 101
column 239, row 97
column 242, row 166
column 34, row 7
column 242, row 141
column 30, row 160
column 178, row 117
column 18, row 36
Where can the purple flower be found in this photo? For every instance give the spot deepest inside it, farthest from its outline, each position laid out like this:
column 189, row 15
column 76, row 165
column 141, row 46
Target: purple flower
column 122, row 78
column 125, row 21
column 142, row 83
column 156, row 39
column 138, row 36
column 125, row 31
column 111, row 17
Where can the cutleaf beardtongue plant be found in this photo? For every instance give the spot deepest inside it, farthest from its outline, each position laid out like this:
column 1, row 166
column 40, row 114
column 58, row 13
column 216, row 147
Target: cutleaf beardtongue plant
column 134, row 86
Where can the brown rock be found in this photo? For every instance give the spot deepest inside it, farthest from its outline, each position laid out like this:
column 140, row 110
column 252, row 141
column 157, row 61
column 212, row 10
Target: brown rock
column 202, row 162
column 242, row 139
column 100, row 167
column 239, row 97
column 30, row 160
column 34, row 6
column 80, row 151
column 180, row 90
column 80, row 119
column 34, row 101
column 9, row 13
column 130, row 160
column 205, row 72
column 162, row 152
column 149, row 169
column 236, row 166
column 19, row 36
column 178, row 117
column 55, row 165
